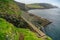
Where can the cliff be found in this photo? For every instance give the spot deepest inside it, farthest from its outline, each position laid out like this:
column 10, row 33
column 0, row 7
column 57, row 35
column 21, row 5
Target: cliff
column 22, row 6
column 11, row 24
column 41, row 6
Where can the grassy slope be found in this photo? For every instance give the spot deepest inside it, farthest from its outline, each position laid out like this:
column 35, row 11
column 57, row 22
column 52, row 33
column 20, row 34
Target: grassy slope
column 8, row 31
column 41, row 5
column 10, row 11
column 34, row 6
column 9, row 7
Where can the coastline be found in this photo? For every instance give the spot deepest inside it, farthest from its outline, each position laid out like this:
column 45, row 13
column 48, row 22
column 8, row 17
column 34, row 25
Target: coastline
column 38, row 8
column 44, row 21
column 35, row 23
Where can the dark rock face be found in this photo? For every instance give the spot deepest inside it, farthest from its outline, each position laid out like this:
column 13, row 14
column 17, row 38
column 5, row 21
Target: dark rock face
column 15, row 20
column 11, row 12
column 22, row 6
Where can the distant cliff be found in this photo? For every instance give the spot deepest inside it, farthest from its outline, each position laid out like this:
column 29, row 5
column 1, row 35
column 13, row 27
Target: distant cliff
column 26, row 7
column 41, row 6
column 22, row 6
column 46, row 5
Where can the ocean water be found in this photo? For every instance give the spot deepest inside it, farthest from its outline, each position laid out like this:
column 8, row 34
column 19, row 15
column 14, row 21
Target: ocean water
column 53, row 15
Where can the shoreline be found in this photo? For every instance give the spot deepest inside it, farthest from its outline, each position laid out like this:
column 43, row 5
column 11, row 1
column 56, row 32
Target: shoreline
column 39, row 8
column 35, row 23
column 44, row 21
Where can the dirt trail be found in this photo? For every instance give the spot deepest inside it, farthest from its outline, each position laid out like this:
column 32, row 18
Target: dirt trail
column 21, row 36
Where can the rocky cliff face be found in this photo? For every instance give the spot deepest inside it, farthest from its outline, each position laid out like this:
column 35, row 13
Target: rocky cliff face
column 22, row 6
column 10, row 11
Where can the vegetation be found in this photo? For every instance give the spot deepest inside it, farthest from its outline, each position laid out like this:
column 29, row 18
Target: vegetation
column 40, row 6
column 10, row 11
column 9, row 7
column 10, row 32
column 34, row 6
column 22, row 6
column 10, row 15
column 7, row 31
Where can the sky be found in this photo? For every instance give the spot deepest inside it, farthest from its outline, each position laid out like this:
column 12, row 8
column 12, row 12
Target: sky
column 54, row 2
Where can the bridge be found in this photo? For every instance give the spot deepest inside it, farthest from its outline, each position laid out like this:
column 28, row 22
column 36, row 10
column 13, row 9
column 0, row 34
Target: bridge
column 32, row 21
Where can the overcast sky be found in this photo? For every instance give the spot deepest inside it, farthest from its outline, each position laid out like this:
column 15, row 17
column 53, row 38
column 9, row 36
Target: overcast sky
column 54, row 2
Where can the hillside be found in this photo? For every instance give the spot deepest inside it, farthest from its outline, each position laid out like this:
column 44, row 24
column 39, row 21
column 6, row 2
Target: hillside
column 10, row 8
column 12, row 27
column 22, row 6
column 11, row 12
column 46, row 5
column 26, row 7
column 10, row 32
column 32, row 6
column 41, row 6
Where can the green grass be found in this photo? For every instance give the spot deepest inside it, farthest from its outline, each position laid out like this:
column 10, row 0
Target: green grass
column 9, row 7
column 8, row 32
column 28, row 34
column 34, row 6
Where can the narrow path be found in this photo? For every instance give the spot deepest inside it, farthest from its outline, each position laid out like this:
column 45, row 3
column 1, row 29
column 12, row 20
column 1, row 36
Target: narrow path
column 21, row 36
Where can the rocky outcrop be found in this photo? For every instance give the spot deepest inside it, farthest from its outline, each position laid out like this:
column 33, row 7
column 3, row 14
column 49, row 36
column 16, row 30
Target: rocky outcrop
column 22, row 6
column 11, row 13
